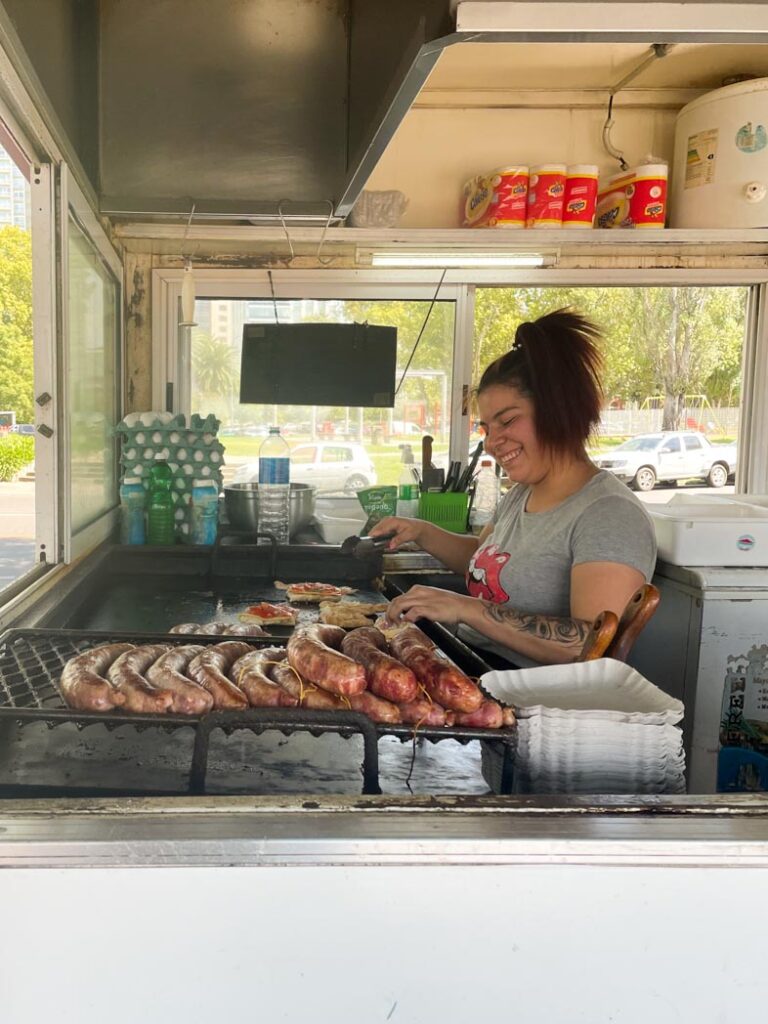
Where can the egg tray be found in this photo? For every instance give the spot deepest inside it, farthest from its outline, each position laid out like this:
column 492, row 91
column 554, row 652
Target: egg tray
column 193, row 453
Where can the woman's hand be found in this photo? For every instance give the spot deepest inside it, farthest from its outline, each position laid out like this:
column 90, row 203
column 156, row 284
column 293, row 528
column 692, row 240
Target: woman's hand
column 433, row 604
column 404, row 530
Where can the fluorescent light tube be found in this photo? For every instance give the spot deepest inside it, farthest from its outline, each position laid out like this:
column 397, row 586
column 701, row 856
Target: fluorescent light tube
column 404, row 258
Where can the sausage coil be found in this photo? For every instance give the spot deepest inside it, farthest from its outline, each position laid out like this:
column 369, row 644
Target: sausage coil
column 445, row 684
column 387, row 677
column 210, row 669
column 126, row 674
column 167, row 673
column 311, row 652
column 82, row 683
column 250, row 674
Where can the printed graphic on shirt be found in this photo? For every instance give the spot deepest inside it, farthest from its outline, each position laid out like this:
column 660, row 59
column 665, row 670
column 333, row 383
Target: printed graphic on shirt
column 484, row 574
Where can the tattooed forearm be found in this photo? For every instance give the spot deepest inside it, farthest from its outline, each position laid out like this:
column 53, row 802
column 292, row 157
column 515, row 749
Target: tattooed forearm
column 566, row 631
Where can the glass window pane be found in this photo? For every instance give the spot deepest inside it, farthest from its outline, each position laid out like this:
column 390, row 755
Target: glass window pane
column 672, row 361
column 377, row 440
column 93, row 381
column 17, row 416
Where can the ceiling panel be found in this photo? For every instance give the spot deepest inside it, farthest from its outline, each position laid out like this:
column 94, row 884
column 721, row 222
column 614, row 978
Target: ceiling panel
column 590, row 66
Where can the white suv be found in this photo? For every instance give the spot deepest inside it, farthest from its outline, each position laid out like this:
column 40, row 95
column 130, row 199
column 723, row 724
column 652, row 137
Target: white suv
column 327, row 465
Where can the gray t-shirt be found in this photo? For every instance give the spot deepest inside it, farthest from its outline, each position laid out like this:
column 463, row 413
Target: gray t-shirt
column 526, row 562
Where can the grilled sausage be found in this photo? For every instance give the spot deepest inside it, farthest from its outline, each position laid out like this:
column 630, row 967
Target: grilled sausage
column 423, row 711
column 379, row 710
column 307, row 694
column 488, row 716
column 217, row 628
column 312, row 657
column 210, row 670
column 249, row 673
column 82, row 682
column 167, row 673
column 445, row 684
column 127, row 675
column 387, row 677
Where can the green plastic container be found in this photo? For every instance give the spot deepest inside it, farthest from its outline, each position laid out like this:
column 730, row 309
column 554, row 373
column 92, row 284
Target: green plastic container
column 448, row 511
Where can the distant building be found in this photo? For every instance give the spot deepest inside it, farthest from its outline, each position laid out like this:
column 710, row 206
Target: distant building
column 14, row 194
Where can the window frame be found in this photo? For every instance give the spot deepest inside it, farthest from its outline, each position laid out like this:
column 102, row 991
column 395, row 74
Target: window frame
column 460, row 285
column 72, row 201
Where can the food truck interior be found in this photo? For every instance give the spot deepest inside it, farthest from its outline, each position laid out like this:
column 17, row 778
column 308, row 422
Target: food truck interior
column 183, row 175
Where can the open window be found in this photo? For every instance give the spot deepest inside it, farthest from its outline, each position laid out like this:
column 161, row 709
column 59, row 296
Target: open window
column 337, row 448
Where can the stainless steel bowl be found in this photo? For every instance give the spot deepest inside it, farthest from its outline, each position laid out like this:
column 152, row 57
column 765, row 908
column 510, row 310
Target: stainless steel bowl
column 242, row 505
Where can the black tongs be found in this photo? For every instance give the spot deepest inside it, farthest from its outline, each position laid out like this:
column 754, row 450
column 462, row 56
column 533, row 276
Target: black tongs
column 365, row 547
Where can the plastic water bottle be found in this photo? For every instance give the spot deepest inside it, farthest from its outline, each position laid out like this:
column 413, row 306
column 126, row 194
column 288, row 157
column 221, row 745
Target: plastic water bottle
column 160, row 528
column 488, row 489
column 205, row 511
column 408, row 493
column 132, row 500
column 275, row 485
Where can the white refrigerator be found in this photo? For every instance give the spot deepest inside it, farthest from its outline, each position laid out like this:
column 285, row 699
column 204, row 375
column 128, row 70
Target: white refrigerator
column 708, row 646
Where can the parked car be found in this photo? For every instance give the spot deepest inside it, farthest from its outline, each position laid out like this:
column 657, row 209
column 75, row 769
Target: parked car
column 670, row 455
column 327, row 465
column 24, row 428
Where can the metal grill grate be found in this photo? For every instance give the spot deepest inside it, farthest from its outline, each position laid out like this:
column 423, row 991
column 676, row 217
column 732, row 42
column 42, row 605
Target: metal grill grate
column 32, row 660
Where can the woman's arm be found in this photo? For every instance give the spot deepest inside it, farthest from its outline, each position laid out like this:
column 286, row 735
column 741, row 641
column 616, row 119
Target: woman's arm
column 454, row 550
column 595, row 587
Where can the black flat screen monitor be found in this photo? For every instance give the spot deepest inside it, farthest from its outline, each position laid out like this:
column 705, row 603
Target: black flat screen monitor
column 318, row 364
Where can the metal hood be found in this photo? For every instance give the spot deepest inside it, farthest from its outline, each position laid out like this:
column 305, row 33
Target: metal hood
column 258, row 108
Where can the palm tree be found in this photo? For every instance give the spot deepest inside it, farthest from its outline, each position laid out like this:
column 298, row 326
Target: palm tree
column 213, row 365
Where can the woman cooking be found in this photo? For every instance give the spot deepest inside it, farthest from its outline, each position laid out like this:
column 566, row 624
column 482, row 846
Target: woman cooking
column 567, row 542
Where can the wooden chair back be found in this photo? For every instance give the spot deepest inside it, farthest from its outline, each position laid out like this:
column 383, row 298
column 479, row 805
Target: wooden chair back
column 634, row 618
column 599, row 637
column 613, row 637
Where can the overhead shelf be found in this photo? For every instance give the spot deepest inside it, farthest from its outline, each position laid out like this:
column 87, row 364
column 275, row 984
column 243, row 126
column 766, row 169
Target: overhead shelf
column 356, row 245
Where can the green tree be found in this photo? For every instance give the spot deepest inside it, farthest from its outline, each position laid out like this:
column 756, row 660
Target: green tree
column 16, row 354
column 215, row 377
column 433, row 353
column 669, row 341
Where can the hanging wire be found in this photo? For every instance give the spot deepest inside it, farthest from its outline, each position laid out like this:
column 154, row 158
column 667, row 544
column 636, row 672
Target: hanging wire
column 285, row 227
column 424, row 324
column 274, row 300
column 328, row 260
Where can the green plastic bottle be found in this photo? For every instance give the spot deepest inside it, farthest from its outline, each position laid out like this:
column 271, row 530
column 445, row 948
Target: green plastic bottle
column 160, row 526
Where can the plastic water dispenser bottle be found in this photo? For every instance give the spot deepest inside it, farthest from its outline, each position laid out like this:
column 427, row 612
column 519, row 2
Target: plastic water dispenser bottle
column 275, row 486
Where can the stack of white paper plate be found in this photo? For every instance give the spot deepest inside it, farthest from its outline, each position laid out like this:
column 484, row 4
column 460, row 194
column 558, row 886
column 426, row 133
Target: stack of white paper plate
column 593, row 727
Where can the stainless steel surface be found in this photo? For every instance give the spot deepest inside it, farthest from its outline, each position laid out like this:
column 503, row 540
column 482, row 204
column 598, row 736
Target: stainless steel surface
column 377, row 830
column 412, row 561
column 247, row 103
column 242, row 505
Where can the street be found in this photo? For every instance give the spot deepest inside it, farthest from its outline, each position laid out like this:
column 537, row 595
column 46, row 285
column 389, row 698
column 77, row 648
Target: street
column 17, row 530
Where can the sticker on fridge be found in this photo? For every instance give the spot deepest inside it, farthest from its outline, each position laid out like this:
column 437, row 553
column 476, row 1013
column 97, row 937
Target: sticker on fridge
column 700, row 158
column 743, row 755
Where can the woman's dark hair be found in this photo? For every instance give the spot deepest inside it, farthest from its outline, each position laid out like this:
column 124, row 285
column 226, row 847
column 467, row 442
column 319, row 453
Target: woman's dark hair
column 556, row 363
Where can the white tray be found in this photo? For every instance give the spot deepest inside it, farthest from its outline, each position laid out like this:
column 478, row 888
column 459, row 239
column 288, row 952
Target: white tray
column 604, row 685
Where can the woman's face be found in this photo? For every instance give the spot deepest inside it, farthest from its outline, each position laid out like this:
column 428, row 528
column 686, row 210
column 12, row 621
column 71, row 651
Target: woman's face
column 507, row 416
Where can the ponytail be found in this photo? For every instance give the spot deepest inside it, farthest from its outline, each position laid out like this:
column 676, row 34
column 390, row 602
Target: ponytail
column 555, row 361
